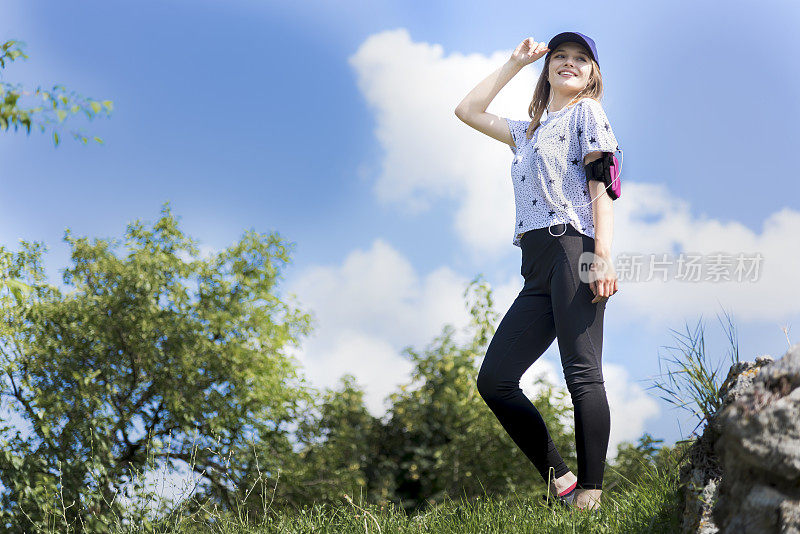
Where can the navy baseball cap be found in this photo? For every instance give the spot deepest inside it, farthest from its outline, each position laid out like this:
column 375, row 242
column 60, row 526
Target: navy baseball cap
column 563, row 37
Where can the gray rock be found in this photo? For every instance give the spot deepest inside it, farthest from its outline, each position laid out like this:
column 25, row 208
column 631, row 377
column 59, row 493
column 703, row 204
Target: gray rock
column 759, row 448
column 743, row 473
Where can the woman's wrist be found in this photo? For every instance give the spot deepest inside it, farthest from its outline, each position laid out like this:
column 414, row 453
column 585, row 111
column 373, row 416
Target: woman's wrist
column 514, row 65
column 601, row 249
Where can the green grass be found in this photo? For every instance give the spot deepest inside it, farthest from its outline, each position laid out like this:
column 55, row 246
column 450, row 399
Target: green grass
column 648, row 505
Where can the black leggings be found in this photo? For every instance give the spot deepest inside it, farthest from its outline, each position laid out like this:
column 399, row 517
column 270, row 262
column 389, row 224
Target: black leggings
column 554, row 303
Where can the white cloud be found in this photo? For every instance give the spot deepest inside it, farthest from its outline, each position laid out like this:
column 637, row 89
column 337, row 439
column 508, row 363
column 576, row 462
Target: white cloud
column 372, row 306
column 429, row 154
column 773, row 295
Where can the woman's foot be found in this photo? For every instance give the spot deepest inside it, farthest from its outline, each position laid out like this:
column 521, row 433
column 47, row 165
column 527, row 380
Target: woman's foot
column 588, row 499
column 563, row 484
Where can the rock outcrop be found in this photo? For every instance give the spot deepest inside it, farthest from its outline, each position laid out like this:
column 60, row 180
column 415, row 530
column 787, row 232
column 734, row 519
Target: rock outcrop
column 743, row 473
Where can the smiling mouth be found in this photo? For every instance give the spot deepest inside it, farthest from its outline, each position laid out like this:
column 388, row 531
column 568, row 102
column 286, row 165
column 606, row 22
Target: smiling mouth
column 567, row 75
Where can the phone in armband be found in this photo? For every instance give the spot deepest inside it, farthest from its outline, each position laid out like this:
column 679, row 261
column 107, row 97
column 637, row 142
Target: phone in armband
column 606, row 169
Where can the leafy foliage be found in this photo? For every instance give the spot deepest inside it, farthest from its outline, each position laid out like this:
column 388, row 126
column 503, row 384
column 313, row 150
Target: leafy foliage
column 58, row 102
column 159, row 345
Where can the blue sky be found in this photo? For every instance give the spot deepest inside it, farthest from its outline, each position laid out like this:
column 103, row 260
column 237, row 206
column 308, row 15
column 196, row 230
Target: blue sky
column 333, row 124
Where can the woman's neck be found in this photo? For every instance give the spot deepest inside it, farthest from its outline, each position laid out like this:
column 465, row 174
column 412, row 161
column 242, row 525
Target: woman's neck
column 560, row 101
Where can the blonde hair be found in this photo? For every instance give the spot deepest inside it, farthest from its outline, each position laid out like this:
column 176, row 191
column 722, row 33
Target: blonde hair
column 593, row 89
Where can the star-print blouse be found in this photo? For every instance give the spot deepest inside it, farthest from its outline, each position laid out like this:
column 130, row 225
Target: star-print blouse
column 549, row 180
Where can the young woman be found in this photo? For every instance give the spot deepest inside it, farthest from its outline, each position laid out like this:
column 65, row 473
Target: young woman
column 561, row 220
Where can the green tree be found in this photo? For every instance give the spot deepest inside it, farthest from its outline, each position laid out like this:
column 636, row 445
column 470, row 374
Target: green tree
column 337, row 439
column 161, row 346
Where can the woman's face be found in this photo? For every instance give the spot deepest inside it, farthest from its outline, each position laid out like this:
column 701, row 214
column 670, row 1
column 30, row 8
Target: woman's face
column 570, row 67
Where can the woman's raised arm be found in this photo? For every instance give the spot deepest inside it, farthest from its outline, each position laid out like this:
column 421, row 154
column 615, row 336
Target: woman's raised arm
column 472, row 109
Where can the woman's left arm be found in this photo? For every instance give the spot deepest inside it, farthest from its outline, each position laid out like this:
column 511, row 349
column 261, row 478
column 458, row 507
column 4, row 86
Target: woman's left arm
column 605, row 283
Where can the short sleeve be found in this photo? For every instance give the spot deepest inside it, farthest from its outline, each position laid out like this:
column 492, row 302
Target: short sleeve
column 594, row 130
column 518, row 131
